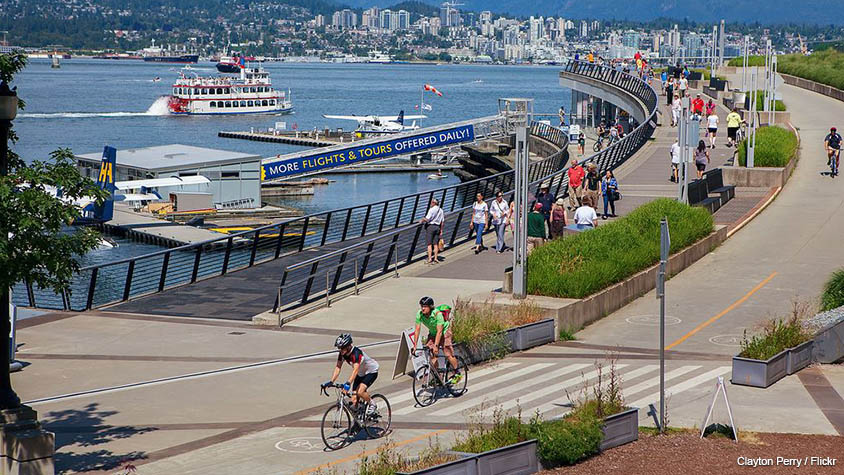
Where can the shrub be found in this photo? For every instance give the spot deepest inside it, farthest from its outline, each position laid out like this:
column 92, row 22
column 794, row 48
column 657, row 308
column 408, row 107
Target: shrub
column 754, row 61
column 387, row 460
column 777, row 335
column 602, row 398
column 775, row 146
column 779, row 105
column 567, row 441
column 585, row 263
column 825, row 67
column 563, row 441
column 833, row 291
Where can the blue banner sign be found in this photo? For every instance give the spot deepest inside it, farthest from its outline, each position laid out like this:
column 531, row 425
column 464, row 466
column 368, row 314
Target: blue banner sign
column 361, row 153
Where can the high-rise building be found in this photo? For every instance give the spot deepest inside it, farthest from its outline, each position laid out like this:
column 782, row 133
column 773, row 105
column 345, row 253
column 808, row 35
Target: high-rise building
column 485, row 15
column 536, row 29
column 693, row 43
column 319, row 21
column 402, row 20
column 344, row 19
column 631, row 39
column 657, row 42
column 384, row 19
column 371, row 18
column 584, row 29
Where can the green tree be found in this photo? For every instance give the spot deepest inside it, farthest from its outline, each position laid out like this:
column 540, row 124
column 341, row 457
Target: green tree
column 34, row 244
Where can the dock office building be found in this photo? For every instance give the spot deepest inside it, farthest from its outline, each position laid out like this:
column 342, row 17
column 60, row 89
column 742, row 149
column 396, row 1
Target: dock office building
column 234, row 176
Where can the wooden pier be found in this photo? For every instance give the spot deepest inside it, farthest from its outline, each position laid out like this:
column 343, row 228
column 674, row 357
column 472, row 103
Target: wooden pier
column 319, row 138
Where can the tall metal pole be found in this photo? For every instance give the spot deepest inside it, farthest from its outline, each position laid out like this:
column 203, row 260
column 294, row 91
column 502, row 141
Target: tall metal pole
column 520, row 110
column 721, row 40
column 751, row 129
column 683, row 140
column 745, row 60
column 664, row 247
column 767, row 75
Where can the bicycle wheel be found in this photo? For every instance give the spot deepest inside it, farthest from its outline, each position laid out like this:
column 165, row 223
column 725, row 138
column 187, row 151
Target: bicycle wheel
column 597, row 146
column 424, row 386
column 459, row 387
column 378, row 423
column 336, row 427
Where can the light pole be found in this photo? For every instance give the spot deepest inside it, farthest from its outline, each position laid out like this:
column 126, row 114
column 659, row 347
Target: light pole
column 8, row 111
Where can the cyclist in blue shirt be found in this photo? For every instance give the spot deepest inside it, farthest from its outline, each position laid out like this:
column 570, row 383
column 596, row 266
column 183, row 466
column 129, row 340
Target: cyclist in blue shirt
column 832, row 143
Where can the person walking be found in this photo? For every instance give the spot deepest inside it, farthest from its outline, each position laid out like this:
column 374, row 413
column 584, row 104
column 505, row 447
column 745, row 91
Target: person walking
column 585, row 217
column 710, row 107
column 593, row 182
column 712, row 128
column 701, row 158
column 480, row 217
column 581, row 143
column 676, row 109
column 562, row 114
column 697, row 108
column 547, row 199
column 433, row 222
column 576, row 175
column 733, row 124
column 535, row 228
column 684, row 86
column 609, row 190
column 500, row 211
column 559, row 220
column 669, row 91
column 675, row 159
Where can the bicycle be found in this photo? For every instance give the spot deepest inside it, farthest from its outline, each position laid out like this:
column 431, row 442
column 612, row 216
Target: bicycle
column 427, row 383
column 341, row 419
column 832, row 162
column 599, row 143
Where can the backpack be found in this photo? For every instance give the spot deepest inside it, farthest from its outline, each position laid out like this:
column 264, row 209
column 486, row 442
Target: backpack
column 445, row 310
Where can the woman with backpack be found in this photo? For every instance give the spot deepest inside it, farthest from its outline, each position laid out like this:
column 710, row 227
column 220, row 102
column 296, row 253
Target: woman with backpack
column 559, row 220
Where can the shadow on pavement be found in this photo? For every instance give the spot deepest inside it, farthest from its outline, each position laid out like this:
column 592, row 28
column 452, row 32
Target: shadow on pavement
column 76, row 430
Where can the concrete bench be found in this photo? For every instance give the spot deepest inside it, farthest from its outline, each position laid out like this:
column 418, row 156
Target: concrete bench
column 699, row 196
column 715, row 184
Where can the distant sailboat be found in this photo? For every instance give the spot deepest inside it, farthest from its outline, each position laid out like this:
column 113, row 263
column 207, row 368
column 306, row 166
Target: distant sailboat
column 55, row 64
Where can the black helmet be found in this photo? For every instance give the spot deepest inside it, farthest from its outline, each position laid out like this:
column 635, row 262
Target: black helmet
column 343, row 340
column 426, row 301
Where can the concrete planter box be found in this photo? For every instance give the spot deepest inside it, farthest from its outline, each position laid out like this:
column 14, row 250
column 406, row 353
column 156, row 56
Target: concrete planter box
column 759, row 373
column 800, row 356
column 620, row 429
column 829, row 343
column 533, row 334
column 516, row 459
column 478, row 353
column 717, row 84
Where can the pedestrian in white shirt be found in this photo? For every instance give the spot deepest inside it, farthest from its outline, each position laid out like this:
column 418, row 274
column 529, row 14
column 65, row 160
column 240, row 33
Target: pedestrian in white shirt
column 676, row 108
column 480, row 218
column 500, row 210
column 712, row 128
column 585, row 217
column 433, row 222
column 684, row 85
column 675, row 159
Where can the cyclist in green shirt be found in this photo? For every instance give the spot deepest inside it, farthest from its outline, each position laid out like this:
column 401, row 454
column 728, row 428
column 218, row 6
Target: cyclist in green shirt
column 439, row 334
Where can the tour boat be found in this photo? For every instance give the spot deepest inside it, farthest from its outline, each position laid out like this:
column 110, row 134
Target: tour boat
column 251, row 93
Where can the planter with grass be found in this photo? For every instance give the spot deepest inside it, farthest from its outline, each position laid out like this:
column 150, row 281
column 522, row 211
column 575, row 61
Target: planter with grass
column 764, row 358
column 463, row 465
column 484, row 331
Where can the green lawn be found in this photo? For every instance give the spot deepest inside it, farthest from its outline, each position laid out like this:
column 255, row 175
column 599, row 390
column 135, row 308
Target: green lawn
column 825, row 67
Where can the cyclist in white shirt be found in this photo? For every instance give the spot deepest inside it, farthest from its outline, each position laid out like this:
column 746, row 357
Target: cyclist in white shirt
column 499, row 209
column 712, row 128
column 433, row 222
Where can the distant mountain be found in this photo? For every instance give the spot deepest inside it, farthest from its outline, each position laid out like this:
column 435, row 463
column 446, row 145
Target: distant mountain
column 821, row 12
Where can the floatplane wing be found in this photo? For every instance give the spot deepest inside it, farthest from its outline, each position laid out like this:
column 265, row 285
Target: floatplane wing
column 155, row 182
column 395, row 118
column 357, row 118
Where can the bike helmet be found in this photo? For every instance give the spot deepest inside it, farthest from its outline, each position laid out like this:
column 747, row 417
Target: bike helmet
column 426, row 301
column 832, row 129
column 343, row 340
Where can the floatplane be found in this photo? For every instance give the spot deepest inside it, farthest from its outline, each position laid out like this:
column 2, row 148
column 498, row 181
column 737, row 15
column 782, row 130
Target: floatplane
column 379, row 124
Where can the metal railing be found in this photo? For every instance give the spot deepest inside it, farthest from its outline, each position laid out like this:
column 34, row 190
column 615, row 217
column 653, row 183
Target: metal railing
column 405, row 241
column 104, row 284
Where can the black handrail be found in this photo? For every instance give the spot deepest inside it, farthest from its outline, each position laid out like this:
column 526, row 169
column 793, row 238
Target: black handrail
column 408, row 236
column 131, row 277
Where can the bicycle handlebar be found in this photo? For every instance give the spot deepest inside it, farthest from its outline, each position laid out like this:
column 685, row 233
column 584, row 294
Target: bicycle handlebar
column 324, row 389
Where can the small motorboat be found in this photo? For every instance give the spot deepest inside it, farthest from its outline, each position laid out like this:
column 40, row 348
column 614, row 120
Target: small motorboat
column 436, row 176
column 156, row 79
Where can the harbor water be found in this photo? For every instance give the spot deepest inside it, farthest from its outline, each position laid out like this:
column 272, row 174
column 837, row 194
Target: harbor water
column 89, row 103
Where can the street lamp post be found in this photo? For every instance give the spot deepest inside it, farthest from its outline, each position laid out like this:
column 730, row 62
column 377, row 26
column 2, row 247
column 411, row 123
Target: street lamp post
column 8, row 111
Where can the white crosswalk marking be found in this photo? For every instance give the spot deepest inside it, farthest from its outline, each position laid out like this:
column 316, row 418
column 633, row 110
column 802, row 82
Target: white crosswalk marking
column 518, row 386
column 540, row 393
column 655, row 380
column 685, row 385
column 550, row 406
column 486, row 384
column 407, row 394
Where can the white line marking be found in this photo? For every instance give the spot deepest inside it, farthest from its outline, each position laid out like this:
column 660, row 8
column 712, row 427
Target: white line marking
column 406, row 394
column 490, row 382
column 685, row 385
column 655, row 380
column 521, row 385
column 551, row 405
